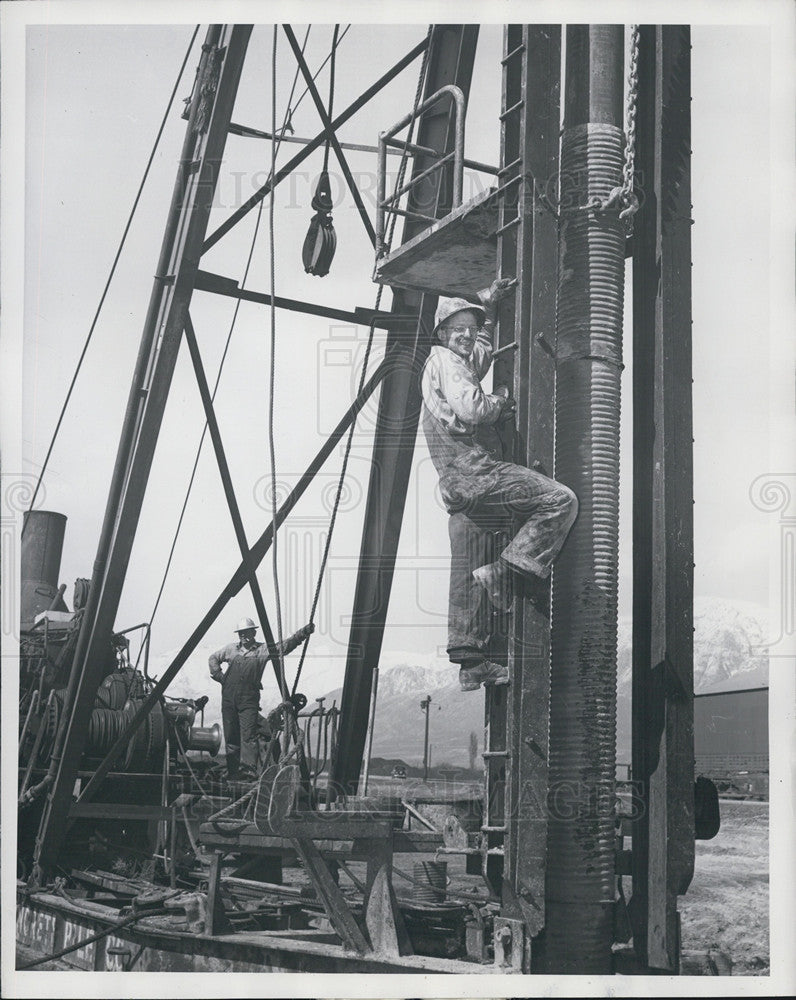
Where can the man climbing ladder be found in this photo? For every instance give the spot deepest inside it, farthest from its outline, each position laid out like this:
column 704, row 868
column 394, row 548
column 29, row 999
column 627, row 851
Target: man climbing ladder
column 481, row 492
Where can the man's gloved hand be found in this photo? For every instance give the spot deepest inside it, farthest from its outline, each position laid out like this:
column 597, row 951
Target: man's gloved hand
column 307, row 631
column 509, row 404
column 499, row 289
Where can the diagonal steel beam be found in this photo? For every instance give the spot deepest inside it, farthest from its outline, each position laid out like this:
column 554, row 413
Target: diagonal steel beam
column 327, row 124
column 291, row 165
column 237, row 581
column 450, row 60
column 232, row 502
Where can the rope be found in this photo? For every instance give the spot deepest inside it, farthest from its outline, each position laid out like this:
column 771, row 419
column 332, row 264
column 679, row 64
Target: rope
column 272, row 383
column 110, row 275
column 233, row 323
column 331, row 94
column 363, row 376
column 325, row 61
column 233, row 805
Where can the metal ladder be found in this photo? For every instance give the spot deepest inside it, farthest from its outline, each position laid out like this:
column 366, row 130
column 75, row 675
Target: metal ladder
column 513, row 832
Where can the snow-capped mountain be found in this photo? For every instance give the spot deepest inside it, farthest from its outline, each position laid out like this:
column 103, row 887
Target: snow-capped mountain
column 729, row 654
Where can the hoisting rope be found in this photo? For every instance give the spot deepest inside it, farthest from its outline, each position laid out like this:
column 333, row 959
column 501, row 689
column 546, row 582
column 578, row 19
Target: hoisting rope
column 363, row 375
column 332, row 55
column 325, row 61
column 233, row 323
column 291, row 724
column 111, row 273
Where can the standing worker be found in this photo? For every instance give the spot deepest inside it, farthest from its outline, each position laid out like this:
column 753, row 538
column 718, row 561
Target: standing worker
column 480, row 490
column 240, row 698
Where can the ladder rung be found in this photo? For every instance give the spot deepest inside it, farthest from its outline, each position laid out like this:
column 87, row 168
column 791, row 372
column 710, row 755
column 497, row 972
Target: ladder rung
column 496, row 850
column 509, row 166
column 509, row 183
column 495, row 753
column 494, row 829
column 512, row 54
column 510, row 111
column 508, row 225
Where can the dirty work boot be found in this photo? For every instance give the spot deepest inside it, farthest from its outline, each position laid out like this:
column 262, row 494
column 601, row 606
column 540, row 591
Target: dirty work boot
column 486, row 672
column 495, row 578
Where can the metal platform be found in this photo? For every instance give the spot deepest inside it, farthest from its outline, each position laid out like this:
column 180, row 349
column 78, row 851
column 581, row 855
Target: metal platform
column 455, row 256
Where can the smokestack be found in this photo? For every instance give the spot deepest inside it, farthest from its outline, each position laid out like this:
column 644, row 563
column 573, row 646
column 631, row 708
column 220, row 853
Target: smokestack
column 42, row 545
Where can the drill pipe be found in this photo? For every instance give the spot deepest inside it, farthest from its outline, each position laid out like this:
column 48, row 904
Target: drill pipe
column 580, row 881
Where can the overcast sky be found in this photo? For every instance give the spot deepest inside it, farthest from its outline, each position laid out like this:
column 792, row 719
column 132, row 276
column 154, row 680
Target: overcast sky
column 95, row 97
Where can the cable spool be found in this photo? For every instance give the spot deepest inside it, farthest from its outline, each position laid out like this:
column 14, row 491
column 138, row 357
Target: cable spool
column 206, row 738
column 118, row 687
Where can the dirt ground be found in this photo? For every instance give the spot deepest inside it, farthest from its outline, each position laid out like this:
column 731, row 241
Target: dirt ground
column 726, row 907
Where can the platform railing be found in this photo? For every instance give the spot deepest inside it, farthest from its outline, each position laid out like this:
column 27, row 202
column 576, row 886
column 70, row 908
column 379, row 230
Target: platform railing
column 389, row 204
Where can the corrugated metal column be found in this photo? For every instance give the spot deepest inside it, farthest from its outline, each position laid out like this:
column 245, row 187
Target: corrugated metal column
column 580, row 882
column 663, row 741
column 530, row 251
column 203, row 148
column 451, row 56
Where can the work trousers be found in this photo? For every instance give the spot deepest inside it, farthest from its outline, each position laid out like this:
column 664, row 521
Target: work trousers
column 240, row 719
column 488, row 499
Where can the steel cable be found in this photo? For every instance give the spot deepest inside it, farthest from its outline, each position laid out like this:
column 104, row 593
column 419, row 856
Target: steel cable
column 280, row 661
column 125, row 922
column 233, row 322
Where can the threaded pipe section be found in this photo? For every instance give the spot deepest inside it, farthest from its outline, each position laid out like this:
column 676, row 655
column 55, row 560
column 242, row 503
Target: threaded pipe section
column 430, row 882
column 582, row 762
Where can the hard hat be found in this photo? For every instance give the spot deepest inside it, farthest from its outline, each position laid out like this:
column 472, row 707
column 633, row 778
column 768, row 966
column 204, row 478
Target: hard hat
column 447, row 307
column 244, row 624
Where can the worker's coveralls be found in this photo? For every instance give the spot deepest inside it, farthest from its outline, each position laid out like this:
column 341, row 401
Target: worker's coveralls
column 483, row 493
column 240, row 698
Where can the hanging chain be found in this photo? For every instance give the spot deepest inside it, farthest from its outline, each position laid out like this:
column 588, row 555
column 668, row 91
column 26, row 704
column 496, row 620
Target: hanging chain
column 623, row 197
column 629, row 199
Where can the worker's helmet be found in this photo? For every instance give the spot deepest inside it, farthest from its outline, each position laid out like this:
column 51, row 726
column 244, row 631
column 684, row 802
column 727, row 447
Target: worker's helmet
column 244, row 624
column 447, row 307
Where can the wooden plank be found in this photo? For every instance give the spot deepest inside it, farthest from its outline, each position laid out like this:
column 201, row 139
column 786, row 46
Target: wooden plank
column 216, row 920
column 383, row 918
column 334, row 902
column 117, row 810
column 663, row 837
column 404, row 841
